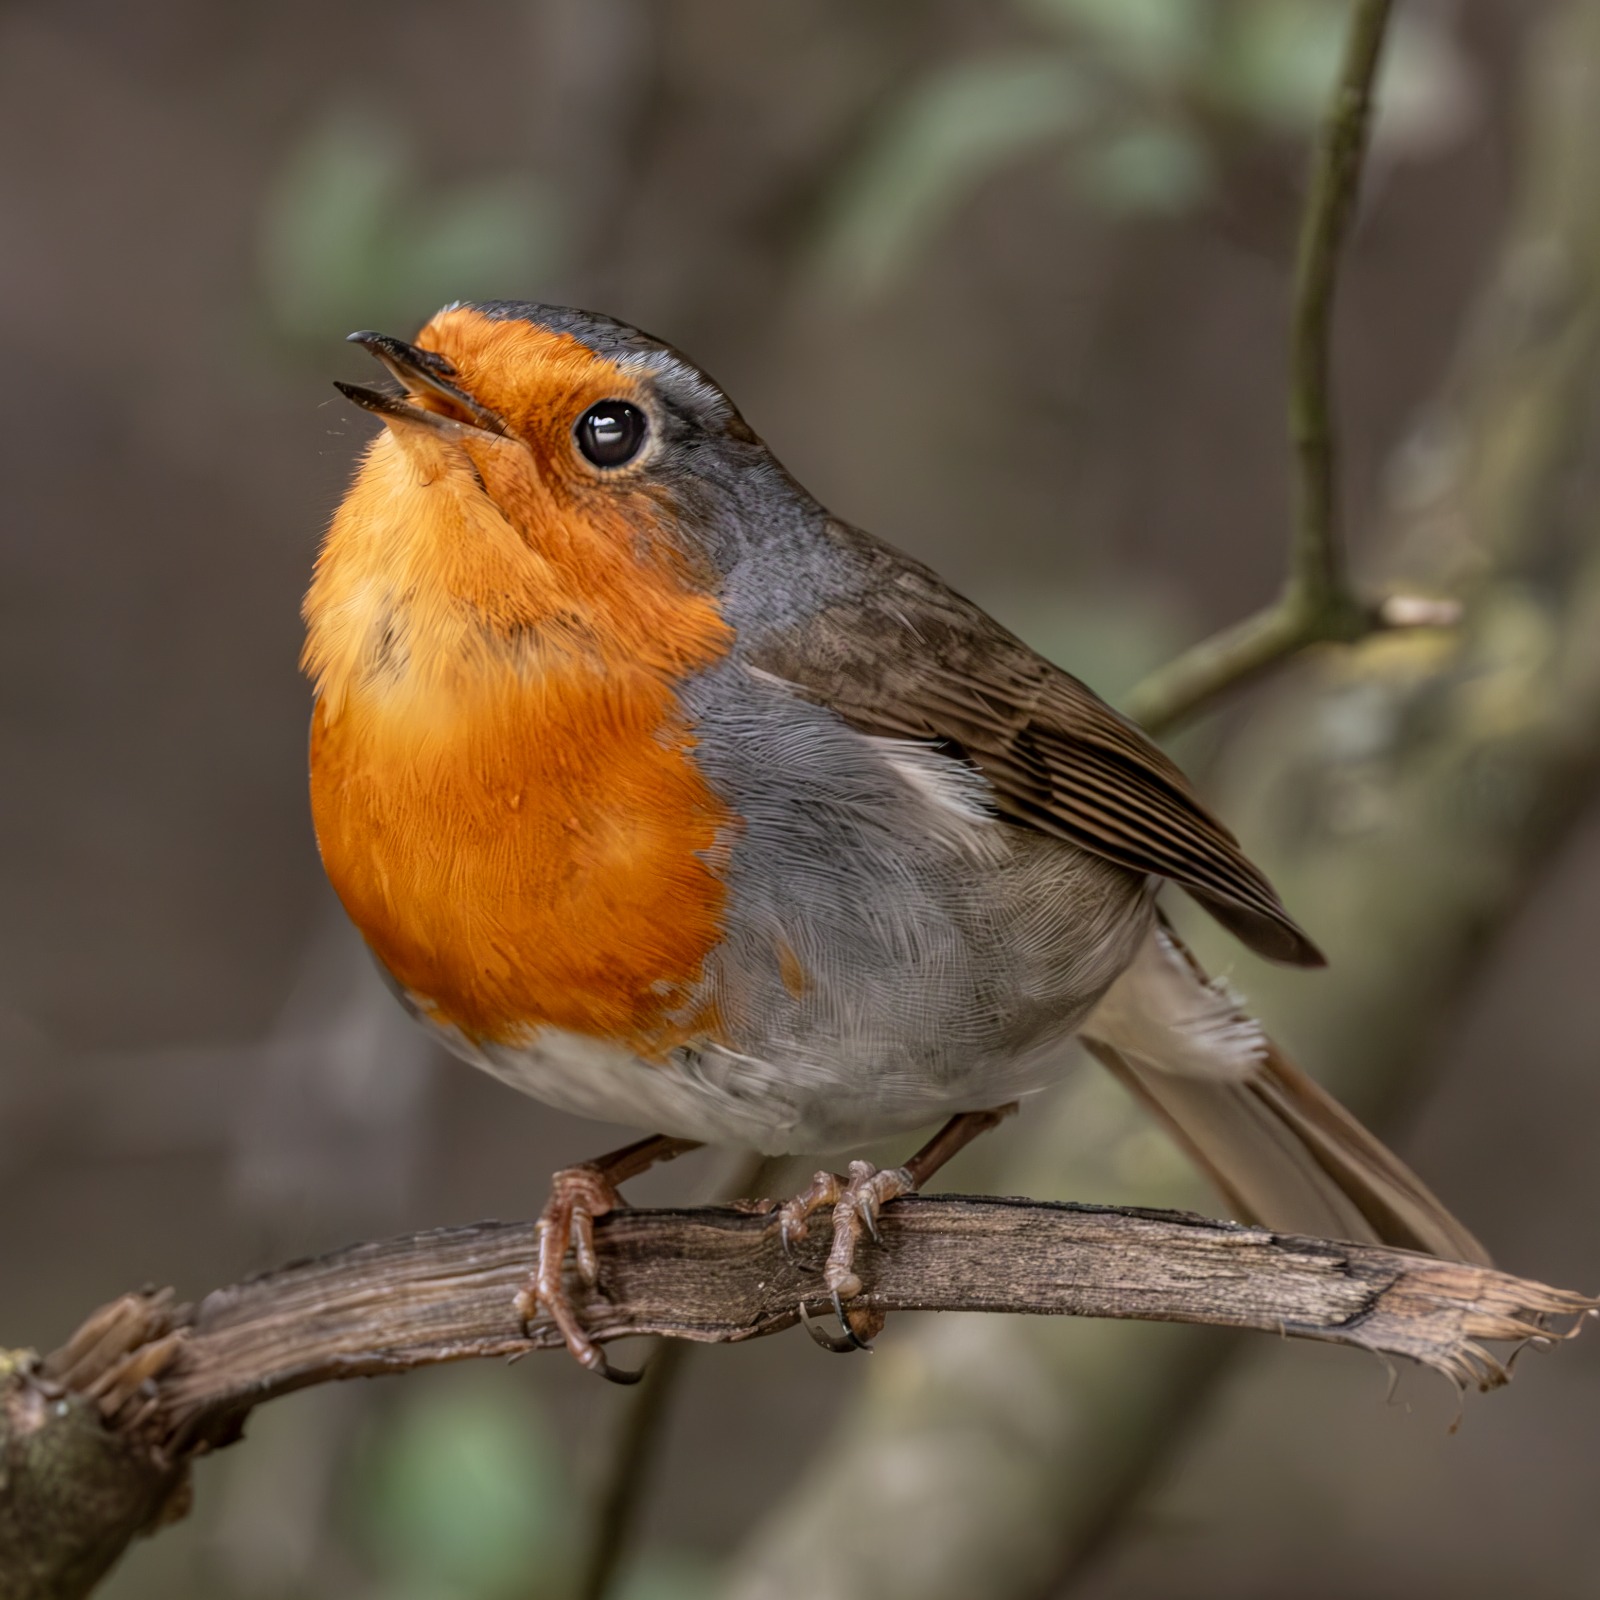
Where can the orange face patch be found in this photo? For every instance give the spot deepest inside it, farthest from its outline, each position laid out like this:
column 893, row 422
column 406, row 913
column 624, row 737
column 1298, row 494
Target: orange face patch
column 537, row 381
column 502, row 781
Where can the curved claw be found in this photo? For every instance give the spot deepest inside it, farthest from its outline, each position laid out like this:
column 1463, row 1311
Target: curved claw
column 618, row 1375
column 794, row 1215
column 837, row 1343
column 856, row 1341
column 788, row 1240
column 587, row 1353
column 840, row 1344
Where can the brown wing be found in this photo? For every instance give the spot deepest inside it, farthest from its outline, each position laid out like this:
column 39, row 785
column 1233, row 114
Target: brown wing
column 911, row 659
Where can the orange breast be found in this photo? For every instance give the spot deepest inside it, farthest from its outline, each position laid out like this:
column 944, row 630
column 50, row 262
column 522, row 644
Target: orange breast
column 502, row 781
column 542, row 856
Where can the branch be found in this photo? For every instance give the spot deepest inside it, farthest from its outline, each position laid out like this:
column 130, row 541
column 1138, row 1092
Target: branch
column 170, row 1382
column 624, row 1484
column 1316, row 578
column 1317, row 605
column 625, row 1487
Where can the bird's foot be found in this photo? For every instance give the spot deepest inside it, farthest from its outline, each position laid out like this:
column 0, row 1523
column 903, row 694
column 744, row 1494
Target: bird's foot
column 855, row 1201
column 577, row 1196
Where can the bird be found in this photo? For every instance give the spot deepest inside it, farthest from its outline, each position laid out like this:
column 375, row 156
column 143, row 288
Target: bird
column 673, row 800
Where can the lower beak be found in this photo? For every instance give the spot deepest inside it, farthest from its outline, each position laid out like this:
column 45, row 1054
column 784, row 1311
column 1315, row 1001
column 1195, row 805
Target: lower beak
column 420, row 372
column 393, row 409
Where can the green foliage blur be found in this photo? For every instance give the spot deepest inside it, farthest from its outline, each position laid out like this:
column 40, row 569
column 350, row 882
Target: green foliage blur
column 1137, row 101
column 353, row 233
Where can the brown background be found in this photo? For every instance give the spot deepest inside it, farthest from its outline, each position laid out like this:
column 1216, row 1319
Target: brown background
column 1075, row 411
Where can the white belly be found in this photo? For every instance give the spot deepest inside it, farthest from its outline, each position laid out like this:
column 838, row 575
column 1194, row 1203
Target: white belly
column 722, row 1099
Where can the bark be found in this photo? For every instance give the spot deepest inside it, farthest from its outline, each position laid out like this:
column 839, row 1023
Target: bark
column 73, row 1492
column 95, row 1439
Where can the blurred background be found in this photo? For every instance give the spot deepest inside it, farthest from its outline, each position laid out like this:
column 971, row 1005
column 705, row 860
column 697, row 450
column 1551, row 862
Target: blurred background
column 1007, row 283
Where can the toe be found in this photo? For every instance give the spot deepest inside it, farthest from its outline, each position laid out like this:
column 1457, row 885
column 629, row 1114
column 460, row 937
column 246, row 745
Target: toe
column 583, row 1253
column 843, row 1284
column 794, row 1216
column 577, row 1196
column 526, row 1306
column 855, row 1201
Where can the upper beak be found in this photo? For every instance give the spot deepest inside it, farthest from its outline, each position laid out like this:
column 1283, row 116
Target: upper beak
column 422, row 371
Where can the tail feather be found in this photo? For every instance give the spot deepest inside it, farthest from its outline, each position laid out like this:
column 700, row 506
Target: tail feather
column 1282, row 1150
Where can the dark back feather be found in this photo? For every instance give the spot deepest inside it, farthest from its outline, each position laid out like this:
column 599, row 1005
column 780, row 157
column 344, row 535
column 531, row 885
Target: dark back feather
column 907, row 657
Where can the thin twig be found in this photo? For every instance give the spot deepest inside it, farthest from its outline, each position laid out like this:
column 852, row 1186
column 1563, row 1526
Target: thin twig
column 620, row 1493
column 1316, row 576
column 1227, row 660
column 632, row 1454
column 1316, row 605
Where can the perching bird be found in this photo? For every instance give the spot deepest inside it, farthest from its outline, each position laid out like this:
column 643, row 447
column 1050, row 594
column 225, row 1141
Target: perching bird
column 672, row 800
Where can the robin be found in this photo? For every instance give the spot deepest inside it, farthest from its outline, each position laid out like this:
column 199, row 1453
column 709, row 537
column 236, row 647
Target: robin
column 672, row 800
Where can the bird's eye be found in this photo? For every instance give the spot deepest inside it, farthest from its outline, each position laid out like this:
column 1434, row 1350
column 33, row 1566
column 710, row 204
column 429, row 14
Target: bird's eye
column 611, row 433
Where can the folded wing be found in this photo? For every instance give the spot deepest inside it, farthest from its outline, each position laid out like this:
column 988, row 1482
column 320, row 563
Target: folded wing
column 908, row 658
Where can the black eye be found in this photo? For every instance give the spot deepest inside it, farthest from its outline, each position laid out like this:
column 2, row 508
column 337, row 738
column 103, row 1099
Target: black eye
column 611, row 434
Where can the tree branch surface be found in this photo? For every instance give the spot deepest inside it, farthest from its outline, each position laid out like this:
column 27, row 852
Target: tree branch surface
column 94, row 1438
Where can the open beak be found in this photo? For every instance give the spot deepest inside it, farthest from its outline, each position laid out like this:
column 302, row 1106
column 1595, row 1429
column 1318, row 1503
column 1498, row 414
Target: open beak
column 419, row 372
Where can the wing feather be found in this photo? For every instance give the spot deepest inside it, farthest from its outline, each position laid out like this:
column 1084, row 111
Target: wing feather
column 908, row 658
